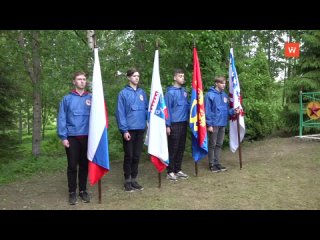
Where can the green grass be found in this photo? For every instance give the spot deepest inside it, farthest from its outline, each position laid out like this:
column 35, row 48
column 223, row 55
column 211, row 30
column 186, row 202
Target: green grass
column 28, row 167
column 17, row 162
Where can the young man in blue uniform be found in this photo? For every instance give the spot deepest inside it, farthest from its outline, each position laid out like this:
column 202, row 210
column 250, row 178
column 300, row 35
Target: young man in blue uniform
column 217, row 117
column 72, row 129
column 131, row 116
column 178, row 106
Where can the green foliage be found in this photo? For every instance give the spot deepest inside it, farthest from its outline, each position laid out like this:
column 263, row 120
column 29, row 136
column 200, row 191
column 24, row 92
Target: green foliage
column 261, row 102
column 8, row 147
column 213, row 50
column 258, row 56
column 6, row 114
column 115, row 141
column 290, row 118
column 17, row 162
column 304, row 77
column 260, row 119
column 51, row 145
column 11, row 89
column 114, row 135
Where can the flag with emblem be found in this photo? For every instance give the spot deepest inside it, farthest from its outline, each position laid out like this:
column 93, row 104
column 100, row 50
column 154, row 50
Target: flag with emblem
column 156, row 137
column 197, row 119
column 235, row 102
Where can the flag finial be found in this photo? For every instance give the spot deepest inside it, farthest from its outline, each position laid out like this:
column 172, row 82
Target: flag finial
column 92, row 41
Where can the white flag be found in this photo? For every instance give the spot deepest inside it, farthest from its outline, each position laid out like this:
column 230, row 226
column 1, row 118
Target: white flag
column 156, row 137
column 235, row 102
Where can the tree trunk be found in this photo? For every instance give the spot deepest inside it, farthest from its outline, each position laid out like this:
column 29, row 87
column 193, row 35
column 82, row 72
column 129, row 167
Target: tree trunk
column 284, row 85
column 269, row 57
column 36, row 131
column 44, row 118
column 28, row 121
column 20, row 121
column 32, row 65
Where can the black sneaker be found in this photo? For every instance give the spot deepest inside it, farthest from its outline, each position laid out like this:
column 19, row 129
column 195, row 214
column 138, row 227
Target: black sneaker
column 136, row 186
column 128, row 187
column 215, row 169
column 222, row 168
column 73, row 198
column 84, row 196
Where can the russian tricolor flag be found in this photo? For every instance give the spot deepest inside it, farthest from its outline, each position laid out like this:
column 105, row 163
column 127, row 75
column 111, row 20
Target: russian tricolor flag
column 98, row 151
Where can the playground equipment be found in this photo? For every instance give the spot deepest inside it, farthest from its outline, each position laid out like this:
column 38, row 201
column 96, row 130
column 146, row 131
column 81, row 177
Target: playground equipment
column 309, row 113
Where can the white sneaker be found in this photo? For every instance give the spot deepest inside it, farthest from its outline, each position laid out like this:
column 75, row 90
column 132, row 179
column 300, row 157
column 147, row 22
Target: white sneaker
column 171, row 176
column 182, row 175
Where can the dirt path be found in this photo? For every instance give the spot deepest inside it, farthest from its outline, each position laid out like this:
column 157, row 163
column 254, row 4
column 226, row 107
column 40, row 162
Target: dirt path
column 280, row 173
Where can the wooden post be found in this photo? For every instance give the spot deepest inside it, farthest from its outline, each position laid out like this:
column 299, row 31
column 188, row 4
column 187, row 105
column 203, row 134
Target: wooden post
column 92, row 42
column 99, row 191
column 196, row 168
column 240, row 152
column 159, row 177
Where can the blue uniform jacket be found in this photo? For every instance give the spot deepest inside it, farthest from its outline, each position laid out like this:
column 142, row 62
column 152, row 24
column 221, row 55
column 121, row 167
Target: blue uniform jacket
column 178, row 105
column 73, row 116
column 217, row 108
column 132, row 109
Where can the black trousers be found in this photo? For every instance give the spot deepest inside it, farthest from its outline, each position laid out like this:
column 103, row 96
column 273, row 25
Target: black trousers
column 132, row 151
column 176, row 146
column 77, row 155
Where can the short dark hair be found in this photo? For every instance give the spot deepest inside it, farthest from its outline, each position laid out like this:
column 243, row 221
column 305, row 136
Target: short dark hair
column 177, row 71
column 131, row 71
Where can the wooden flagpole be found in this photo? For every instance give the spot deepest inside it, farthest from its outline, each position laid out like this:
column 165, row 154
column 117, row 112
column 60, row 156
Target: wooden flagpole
column 99, row 182
column 92, row 41
column 239, row 147
column 99, row 191
column 196, row 168
column 159, row 178
column 238, row 128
